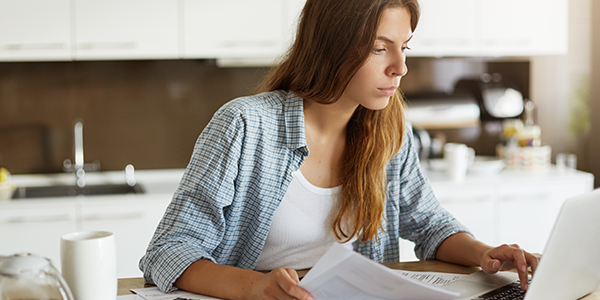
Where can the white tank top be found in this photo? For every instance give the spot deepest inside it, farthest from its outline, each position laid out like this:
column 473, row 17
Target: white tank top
column 301, row 231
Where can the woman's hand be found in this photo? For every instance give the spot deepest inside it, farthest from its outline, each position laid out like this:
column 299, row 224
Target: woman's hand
column 462, row 248
column 211, row 279
column 509, row 257
column 280, row 284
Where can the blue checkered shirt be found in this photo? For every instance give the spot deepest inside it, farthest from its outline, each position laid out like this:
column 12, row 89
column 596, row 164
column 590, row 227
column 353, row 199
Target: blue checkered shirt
column 240, row 169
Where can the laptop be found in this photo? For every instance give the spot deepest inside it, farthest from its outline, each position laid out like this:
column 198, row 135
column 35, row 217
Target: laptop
column 570, row 264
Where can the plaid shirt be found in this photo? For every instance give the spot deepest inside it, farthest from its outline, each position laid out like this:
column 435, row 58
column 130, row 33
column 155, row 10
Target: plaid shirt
column 241, row 167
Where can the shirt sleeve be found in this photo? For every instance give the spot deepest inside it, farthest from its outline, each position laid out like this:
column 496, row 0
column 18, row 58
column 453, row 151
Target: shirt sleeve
column 422, row 219
column 194, row 224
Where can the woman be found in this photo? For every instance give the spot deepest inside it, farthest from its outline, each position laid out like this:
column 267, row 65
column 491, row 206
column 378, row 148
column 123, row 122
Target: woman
column 253, row 198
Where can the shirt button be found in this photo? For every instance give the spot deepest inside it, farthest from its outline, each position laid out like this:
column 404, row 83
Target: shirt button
column 293, row 173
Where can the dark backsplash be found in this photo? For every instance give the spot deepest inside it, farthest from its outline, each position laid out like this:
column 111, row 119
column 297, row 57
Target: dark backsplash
column 149, row 113
column 145, row 113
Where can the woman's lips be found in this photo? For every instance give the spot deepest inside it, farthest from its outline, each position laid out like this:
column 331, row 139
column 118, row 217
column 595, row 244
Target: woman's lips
column 388, row 91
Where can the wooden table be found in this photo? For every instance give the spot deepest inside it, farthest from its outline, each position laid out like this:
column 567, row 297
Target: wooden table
column 126, row 284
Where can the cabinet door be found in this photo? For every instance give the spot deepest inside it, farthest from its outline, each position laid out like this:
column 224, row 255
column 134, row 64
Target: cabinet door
column 33, row 30
column 132, row 221
column 527, row 213
column 473, row 207
column 292, row 18
column 233, row 28
column 524, row 27
column 447, row 28
column 36, row 227
column 125, row 29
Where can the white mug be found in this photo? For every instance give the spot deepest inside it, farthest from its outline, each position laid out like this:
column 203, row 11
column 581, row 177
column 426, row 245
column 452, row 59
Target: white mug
column 458, row 157
column 89, row 264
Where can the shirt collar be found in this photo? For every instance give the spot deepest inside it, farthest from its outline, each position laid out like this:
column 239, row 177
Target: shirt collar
column 294, row 122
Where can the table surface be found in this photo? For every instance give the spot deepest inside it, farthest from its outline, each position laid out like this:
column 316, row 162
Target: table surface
column 126, row 284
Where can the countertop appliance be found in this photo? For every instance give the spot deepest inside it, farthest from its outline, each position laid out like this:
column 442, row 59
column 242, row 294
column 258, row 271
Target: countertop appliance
column 497, row 100
column 442, row 110
column 460, row 116
column 432, row 111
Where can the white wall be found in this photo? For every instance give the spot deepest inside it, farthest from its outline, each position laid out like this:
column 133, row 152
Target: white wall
column 557, row 80
column 593, row 147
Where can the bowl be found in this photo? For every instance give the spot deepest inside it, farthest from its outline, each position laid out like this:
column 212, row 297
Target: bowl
column 486, row 165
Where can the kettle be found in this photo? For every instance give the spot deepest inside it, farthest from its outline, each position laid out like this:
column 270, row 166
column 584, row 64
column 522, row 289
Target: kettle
column 29, row 276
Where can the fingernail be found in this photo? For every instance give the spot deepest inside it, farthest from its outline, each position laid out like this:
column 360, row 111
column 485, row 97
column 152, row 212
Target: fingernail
column 524, row 269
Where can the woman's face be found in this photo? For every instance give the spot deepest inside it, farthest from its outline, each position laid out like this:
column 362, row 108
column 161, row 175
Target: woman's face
column 377, row 80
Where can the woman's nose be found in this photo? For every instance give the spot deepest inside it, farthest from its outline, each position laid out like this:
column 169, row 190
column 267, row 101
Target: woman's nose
column 398, row 66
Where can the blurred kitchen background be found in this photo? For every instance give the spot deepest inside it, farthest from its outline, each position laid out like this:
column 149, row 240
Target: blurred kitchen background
column 145, row 102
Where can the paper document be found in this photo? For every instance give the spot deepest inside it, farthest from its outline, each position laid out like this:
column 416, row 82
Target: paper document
column 346, row 275
column 153, row 293
column 433, row 278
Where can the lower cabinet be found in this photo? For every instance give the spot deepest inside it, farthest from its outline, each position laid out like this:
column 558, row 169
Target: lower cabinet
column 37, row 230
column 133, row 223
column 36, row 226
column 513, row 207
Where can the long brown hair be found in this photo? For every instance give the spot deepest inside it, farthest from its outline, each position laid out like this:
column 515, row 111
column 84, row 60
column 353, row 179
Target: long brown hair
column 333, row 41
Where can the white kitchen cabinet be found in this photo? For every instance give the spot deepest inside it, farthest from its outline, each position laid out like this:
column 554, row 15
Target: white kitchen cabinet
column 132, row 221
column 294, row 9
column 526, row 213
column 491, row 28
column 524, row 27
column 473, row 207
column 35, row 30
column 36, row 226
column 125, row 29
column 37, row 230
column 514, row 206
column 233, row 28
column 447, row 28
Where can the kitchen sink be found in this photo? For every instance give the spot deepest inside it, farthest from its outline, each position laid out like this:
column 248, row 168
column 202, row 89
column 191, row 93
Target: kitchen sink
column 73, row 190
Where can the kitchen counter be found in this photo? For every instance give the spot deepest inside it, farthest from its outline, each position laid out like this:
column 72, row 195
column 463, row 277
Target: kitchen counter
column 512, row 176
column 131, row 217
column 154, row 181
column 497, row 208
column 512, row 206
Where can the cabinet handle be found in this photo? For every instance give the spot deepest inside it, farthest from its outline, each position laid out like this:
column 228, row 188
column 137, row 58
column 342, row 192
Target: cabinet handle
column 113, row 216
column 34, row 46
column 241, row 44
column 106, row 46
column 507, row 42
column 531, row 196
column 464, row 199
column 447, row 42
column 38, row 219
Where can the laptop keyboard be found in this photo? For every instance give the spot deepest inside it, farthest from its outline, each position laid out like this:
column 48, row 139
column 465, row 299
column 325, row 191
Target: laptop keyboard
column 511, row 291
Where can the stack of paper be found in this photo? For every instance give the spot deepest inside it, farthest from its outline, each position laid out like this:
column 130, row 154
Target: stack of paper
column 342, row 274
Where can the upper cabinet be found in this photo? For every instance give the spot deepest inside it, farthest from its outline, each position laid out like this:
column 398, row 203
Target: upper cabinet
column 447, row 28
column 35, row 30
column 125, row 29
column 491, row 28
column 524, row 27
column 232, row 28
column 258, row 29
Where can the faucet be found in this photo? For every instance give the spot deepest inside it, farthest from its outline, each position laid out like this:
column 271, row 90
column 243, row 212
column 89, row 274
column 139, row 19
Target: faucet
column 80, row 166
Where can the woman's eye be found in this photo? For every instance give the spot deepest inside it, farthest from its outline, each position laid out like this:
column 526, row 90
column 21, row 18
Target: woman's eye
column 378, row 50
column 405, row 48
